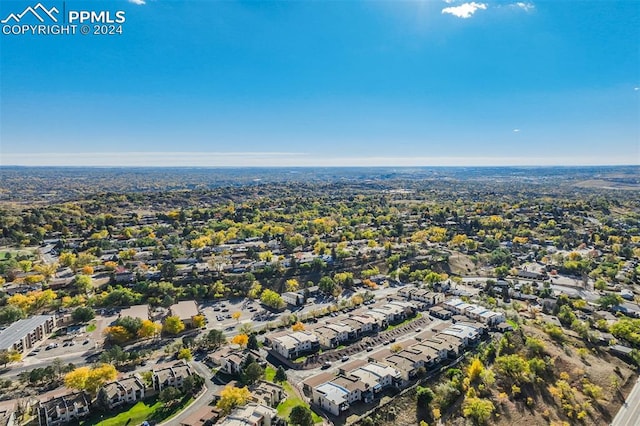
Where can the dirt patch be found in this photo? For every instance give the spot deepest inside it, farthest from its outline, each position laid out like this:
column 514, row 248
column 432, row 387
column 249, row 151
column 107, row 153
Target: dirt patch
column 461, row 264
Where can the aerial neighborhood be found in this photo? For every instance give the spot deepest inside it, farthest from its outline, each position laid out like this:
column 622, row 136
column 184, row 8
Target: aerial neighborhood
column 278, row 304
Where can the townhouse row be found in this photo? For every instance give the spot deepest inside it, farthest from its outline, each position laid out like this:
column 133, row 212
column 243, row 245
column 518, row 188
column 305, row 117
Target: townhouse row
column 329, row 335
column 364, row 380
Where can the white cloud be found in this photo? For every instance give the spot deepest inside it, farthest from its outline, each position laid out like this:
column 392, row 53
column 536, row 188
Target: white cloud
column 448, row 1
column 138, row 2
column 527, row 7
column 516, row 130
column 465, row 10
column 636, row 88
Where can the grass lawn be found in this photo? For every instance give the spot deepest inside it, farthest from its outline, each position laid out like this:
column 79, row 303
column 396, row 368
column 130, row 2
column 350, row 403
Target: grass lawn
column 513, row 324
column 91, row 327
column 269, row 373
column 135, row 415
column 293, row 400
column 151, row 409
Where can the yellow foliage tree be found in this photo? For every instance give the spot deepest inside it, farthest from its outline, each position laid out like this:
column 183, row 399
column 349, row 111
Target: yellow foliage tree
column 68, row 259
column 185, row 353
column 87, row 270
column 231, row 397
column 475, row 370
column 297, row 326
column 173, row 325
column 99, row 376
column 77, row 379
column 149, row 329
column 240, row 339
column 236, row 315
column 199, row 321
column 33, row 279
column 21, row 301
column 458, row 239
column 292, row 284
column 117, row 333
column 520, row 240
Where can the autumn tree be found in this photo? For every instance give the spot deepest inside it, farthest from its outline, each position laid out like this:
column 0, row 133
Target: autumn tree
column 148, row 329
column 185, row 353
column 117, row 333
column 292, row 284
column 173, row 325
column 240, row 339
column 7, row 356
column 474, row 370
column 272, row 299
column 231, row 397
column 83, row 283
column 236, row 315
column 478, row 410
column 513, row 367
column 77, row 379
column 199, row 321
column 99, row 376
column 298, row 326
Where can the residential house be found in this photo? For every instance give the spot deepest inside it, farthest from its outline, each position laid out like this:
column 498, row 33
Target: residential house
column 294, row 344
column 171, row 376
column 331, row 397
column 327, row 337
column 377, row 377
column 63, row 409
column 231, row 361
column 293, row 298
column 267, row 393
column 363, row 324
column 429, row 355
column 440, row 312
column 252, row 414
column 123, row 391
column 468, row 335
column 405, row 363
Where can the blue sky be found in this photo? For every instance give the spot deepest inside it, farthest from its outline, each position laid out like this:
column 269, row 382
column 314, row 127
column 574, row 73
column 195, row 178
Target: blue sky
column 266, row 83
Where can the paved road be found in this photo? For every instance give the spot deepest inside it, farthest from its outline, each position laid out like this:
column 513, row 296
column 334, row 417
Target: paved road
column 629, row 413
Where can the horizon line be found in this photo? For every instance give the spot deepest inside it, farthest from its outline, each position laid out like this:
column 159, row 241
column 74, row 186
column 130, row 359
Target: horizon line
column 293, row 159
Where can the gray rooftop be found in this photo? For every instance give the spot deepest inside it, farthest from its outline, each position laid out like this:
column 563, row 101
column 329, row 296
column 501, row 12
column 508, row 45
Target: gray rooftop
column 20, row 329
